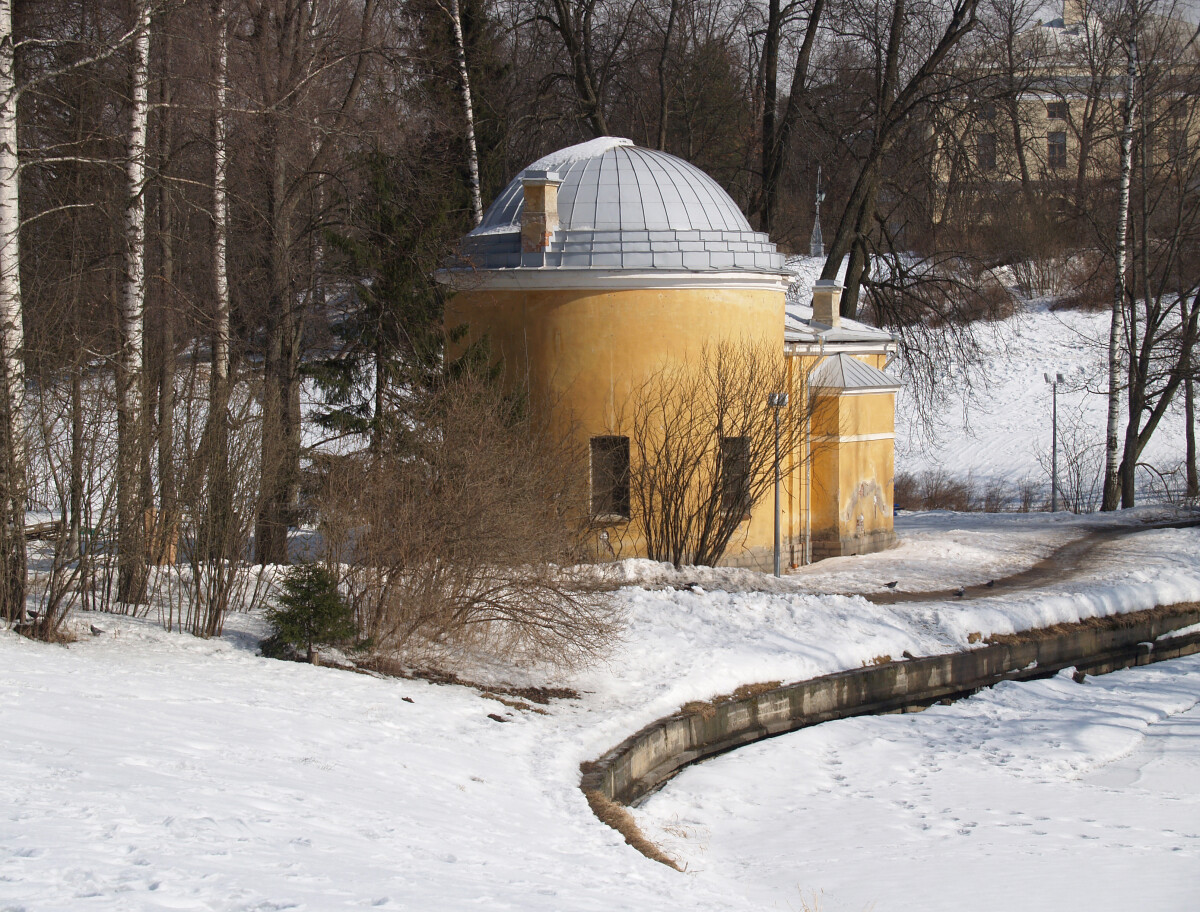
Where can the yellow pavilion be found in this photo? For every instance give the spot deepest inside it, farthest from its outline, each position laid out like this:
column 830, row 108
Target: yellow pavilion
column 601, row 262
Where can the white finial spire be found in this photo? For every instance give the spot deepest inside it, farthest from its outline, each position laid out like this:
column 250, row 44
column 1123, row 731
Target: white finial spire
column 816, row 244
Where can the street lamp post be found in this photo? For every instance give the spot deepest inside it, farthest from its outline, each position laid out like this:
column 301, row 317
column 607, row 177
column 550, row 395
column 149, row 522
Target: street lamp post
column 1054, row 382
column 777, row 401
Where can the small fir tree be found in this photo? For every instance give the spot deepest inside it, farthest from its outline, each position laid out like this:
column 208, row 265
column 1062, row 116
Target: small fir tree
column 311, row 610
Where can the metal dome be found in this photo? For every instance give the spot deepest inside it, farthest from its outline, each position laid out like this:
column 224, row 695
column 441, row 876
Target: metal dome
column 624, row 207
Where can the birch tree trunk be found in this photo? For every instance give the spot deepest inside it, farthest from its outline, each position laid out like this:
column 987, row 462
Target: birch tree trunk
column 12, row 342
column 464, row 87
column 1192, row 491
column 132, row 451
column 220, row 492
column 1112, row 481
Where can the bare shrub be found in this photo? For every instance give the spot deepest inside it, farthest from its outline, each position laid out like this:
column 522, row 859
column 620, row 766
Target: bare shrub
column 940, row 491
column 72, row 498
column 197, row 559
column 995, row 496
column 935, row 489
column 1088, row 284
column 1028, row 492
column 990, row 302
column 217, row 497
column 1080, row 463
column 461, row 535
column 1168, row 486
column 906, row 491
column 702, row 440
column 1041, row 275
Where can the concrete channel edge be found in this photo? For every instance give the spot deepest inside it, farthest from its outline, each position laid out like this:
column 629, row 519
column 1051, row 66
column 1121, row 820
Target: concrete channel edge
column 644, row 761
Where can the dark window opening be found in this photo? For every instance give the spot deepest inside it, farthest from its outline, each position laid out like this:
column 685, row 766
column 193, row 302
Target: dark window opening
column 610, row 476
column 988, row 111
column 1057, row 110
column 1179, row 145
column 985, row 151
column 735, row 476
column 1056, row 150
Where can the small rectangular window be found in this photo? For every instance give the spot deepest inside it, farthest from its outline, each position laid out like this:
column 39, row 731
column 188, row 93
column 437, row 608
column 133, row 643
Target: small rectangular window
column 985, row 151
column 1179, row 145
column 1056, row 150
column 735, row 475
column 610, row 476
column 1057, row 110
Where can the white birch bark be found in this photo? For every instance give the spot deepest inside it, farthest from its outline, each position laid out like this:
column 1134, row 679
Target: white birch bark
column 464, row 87
column 12, row 337
column 220, row 352
column 1112, row 485
column 220, row 498
column 130, row 365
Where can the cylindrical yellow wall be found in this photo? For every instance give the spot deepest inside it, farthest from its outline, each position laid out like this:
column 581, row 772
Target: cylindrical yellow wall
column 582, row 352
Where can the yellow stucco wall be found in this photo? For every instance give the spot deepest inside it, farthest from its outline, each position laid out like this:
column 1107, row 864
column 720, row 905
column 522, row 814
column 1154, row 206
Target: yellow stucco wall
column 583, row 351
column 853, row 472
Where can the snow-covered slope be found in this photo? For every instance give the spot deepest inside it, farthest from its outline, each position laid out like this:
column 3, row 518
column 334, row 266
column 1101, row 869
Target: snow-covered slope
column 145, row 770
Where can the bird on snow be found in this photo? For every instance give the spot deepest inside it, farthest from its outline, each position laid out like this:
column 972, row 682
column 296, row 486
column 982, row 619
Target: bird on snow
column 990, row 583
column 892, row 584
column 960, row 591
column 96, row 631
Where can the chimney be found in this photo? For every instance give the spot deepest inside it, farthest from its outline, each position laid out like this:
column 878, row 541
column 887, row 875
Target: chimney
column 827, row 298
column 539, row 219
column 1073, row 12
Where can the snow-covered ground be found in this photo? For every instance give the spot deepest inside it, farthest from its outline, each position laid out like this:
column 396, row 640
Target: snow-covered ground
column 999, row 429
column 1039, row 796
column 147, row 770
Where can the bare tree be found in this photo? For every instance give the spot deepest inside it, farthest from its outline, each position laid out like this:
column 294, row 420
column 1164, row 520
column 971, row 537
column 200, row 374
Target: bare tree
column 290, row 41
column 907, row 50
column 777, row 128
column 701, row 436
column 12, row 342
column 464, row 87
column 133, row 470
column 462, row 535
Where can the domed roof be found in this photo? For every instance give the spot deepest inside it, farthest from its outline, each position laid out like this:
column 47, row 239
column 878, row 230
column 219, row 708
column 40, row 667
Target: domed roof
column 624, row 207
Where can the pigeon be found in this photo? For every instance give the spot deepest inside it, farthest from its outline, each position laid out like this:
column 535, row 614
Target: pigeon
column 960, row 591
column 908, row 655
column 893, row 584
column 990, row 584
column 96, row 631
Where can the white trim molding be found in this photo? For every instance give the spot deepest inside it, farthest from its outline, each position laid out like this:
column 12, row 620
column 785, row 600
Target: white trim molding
column 851, row 438
column 558, row 278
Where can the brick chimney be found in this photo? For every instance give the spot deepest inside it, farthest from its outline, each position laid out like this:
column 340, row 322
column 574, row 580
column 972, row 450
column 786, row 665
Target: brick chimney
column 827, row 298
column 539, row 219
column 1073, row 12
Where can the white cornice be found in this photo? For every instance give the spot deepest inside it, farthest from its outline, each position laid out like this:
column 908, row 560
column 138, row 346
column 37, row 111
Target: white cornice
column 858, row 347
column 562, row 279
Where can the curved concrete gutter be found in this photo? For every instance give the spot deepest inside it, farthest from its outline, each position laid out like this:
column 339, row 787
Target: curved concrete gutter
column 644, row 761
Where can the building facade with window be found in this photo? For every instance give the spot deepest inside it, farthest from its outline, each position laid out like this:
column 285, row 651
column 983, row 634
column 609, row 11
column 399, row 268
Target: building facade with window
column 602, row 263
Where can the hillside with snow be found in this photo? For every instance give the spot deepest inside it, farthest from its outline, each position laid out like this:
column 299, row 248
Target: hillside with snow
column 147, row 770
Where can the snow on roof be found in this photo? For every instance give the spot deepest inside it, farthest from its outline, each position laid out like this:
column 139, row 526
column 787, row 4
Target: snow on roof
column 560, row 160
column 799, row 325
column 847, row 373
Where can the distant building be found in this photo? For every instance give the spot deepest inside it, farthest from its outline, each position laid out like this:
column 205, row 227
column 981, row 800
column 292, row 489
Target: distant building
column 1049, row 118
column 601, row 262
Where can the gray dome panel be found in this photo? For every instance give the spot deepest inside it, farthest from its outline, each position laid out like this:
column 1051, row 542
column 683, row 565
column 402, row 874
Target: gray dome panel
column 624, row 207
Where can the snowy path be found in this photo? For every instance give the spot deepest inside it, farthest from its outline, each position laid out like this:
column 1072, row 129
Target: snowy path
column 1046, row 795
